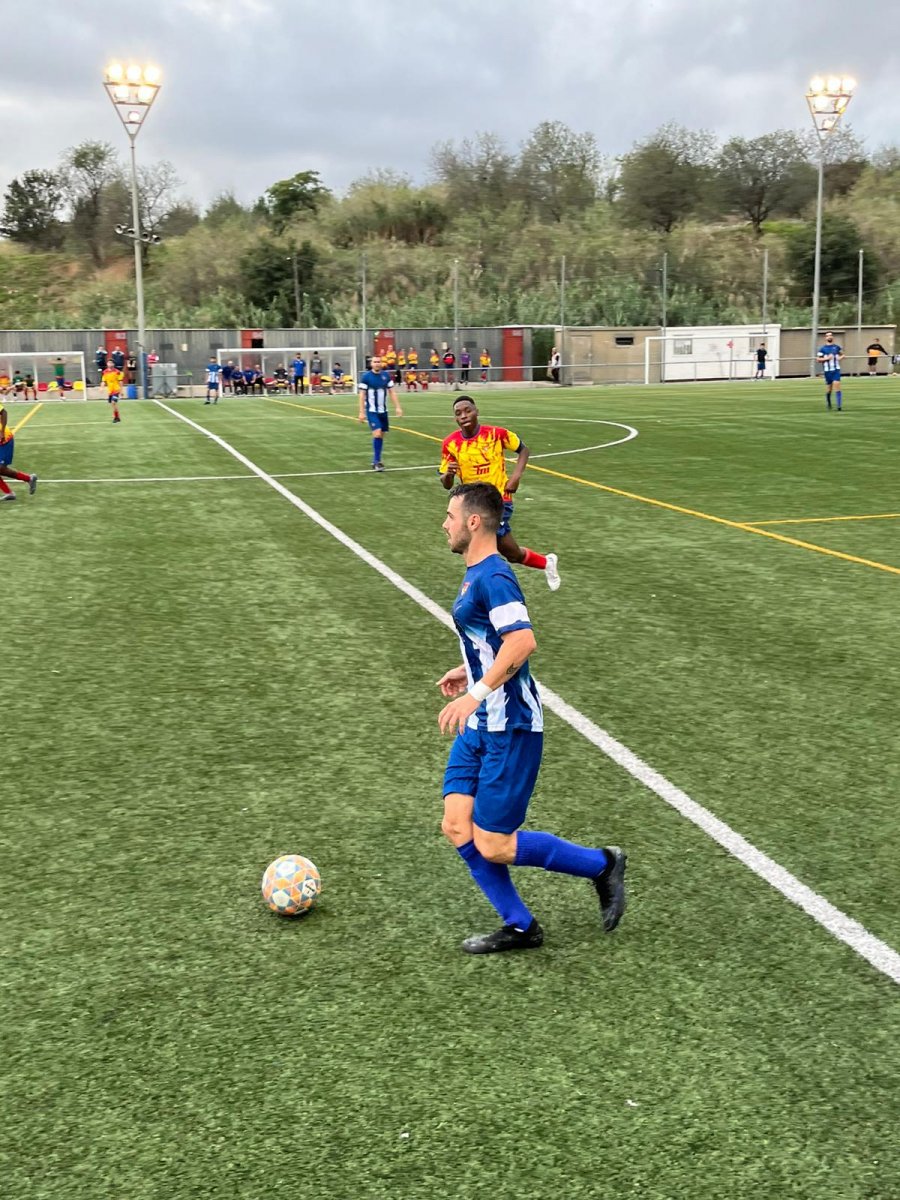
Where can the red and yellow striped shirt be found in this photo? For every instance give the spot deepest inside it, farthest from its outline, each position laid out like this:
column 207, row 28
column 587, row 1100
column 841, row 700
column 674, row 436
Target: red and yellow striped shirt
column 479, row 458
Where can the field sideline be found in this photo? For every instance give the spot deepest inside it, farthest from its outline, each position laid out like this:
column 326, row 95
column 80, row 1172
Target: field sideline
column 206, row 678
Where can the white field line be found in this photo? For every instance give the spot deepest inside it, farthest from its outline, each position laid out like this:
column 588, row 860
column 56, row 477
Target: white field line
column 844, row 928
column 224, row 478
column 632, row 433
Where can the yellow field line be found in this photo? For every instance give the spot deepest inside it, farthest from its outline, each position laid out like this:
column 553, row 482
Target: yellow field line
column 27, row 417
column 746, row 528
column 689, row 512
column 349, row 417
column 820, row 520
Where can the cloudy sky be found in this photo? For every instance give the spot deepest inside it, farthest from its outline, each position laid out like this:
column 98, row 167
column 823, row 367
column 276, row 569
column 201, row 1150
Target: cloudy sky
column 255, row 90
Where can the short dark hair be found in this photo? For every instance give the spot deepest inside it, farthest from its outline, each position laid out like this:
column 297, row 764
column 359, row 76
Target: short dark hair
column 484, row 499
column 468, row 400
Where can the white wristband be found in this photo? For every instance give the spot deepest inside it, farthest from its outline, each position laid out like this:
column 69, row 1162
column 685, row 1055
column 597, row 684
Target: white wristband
column 480, row 691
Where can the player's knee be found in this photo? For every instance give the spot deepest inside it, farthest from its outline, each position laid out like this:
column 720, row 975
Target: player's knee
column 495, row 847
column 454, row 829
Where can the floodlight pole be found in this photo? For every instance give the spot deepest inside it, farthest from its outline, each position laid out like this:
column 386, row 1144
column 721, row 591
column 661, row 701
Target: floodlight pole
column 859, row 301
column 765, row 295
column 296, row 288
column 132, row 91
column 456, row 317
column 138, row 272
column 562, row 318
column 817, row 264
column 827, row 100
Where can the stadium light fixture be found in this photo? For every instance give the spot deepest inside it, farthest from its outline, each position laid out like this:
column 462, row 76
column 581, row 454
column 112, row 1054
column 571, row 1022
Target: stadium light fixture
column 132, row 89
column 827, row 100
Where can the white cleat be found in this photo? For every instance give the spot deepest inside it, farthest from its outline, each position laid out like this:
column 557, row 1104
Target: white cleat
column 10, row 496
column 552, row 572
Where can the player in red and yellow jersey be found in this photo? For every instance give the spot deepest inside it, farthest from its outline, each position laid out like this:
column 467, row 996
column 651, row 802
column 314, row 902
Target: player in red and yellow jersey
column 112, row 381
column 475, row 454
column 7, row 449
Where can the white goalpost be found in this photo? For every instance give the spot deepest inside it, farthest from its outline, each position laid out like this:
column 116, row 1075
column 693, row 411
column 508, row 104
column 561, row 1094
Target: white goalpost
column 43, row 376
column 270, row 371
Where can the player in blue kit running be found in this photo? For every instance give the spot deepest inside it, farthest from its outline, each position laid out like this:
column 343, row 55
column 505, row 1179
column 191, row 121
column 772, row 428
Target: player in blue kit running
column 495, row 711
column 830, row 356
column 375, row 386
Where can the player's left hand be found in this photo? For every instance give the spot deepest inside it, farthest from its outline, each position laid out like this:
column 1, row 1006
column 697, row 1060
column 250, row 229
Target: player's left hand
column 454, row 683
column 453, row 716
column 512, row 485
column 399, row 412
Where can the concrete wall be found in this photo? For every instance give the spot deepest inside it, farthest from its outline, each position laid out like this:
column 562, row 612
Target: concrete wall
column 796, row 344
column 605, row 354
column 190, row 349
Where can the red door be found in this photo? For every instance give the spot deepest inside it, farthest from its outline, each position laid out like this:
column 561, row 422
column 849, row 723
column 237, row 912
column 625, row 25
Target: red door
column 513, row 355
column 116, row 339
column 252, row 339
column 384, row 340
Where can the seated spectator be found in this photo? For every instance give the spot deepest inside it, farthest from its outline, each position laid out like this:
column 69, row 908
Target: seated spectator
column 412, row 384
column 249, row 380
column 259, row 380
column 280, row 380
column 337, row 378
column 227, row 375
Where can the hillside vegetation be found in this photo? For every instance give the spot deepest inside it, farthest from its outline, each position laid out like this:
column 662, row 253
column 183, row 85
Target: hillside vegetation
column 502, row 219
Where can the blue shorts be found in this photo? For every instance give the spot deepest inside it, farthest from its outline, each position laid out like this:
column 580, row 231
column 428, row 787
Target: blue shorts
column 832, row 377
column 503, row 527
column 6, row 453
column 499, row 770
column 378, row 420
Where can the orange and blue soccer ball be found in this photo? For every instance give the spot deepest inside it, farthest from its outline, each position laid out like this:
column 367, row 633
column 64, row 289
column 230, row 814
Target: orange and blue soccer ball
column 291, row 885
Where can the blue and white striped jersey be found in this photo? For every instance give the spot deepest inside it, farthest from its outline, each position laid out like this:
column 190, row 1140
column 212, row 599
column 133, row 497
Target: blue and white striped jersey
column 375, row 386
column 830, row 354
column 490, row 603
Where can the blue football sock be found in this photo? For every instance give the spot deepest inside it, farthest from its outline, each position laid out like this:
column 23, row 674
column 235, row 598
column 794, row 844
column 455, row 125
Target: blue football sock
column 496, row 882
column 839, row 399
column 377, row 444
column 554, row 854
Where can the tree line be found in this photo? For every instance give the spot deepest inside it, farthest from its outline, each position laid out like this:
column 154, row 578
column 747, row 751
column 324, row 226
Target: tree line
column 496, row 218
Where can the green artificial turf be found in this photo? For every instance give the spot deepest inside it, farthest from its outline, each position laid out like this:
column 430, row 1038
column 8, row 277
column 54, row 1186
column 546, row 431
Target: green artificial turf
column 199, row 678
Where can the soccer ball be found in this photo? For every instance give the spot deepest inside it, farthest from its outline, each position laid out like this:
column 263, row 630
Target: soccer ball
column 291, row 885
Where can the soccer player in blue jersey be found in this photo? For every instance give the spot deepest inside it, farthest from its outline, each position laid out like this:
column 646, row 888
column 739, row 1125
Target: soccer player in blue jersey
column 213, row 380
column 495, row 712
column 830, row 355
column 375, row 386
